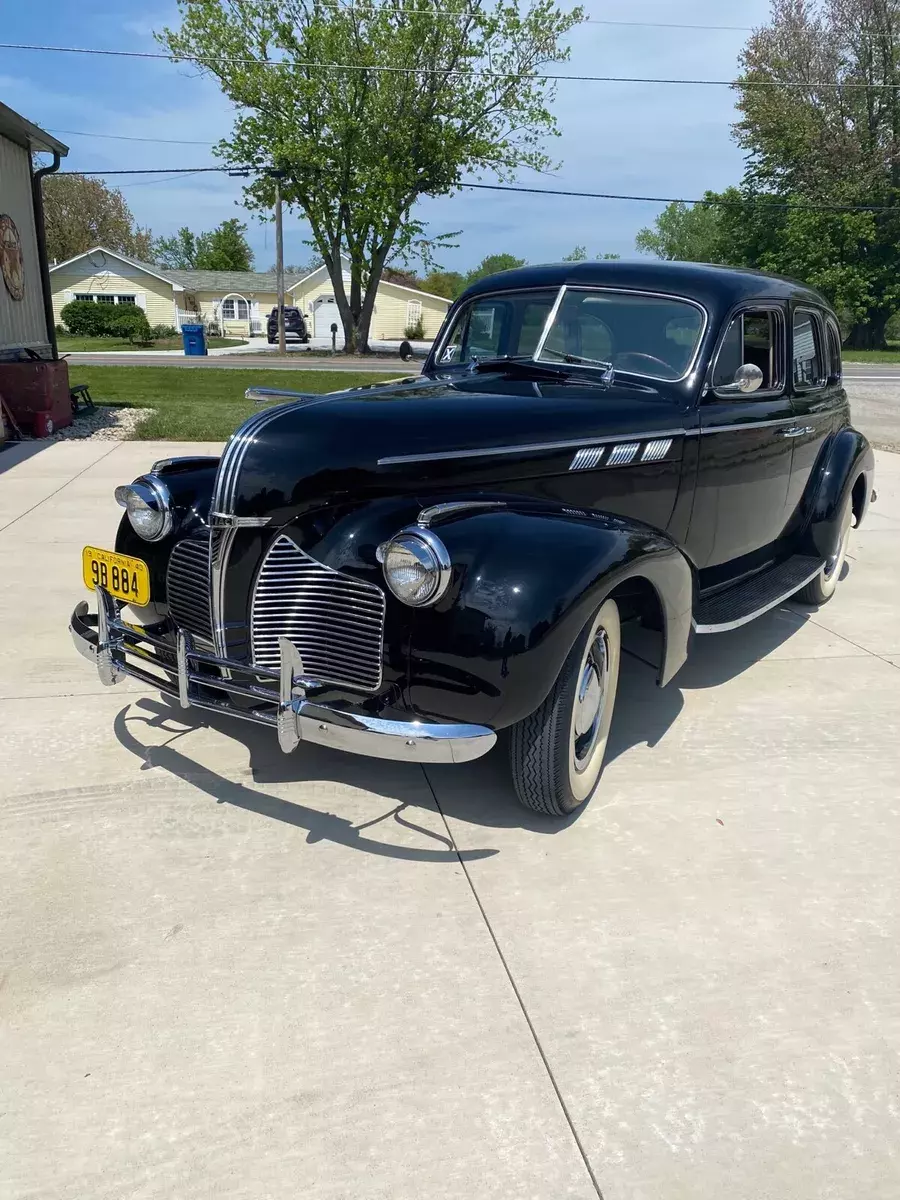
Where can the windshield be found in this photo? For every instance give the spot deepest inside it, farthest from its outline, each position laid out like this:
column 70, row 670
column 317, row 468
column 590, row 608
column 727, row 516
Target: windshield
column 655, row 336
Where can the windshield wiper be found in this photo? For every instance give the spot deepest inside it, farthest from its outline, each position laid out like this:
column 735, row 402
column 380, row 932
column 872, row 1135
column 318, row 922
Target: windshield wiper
column 520, row 364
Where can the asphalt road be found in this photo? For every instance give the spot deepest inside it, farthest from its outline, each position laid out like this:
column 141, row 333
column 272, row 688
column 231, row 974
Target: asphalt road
column 230, row 972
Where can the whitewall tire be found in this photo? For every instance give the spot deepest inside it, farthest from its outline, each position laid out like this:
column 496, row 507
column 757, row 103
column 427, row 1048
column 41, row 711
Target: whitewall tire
column 557, row 753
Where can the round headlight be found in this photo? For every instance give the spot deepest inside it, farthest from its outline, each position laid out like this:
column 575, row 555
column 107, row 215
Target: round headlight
column 416, row 566
column 149, row 506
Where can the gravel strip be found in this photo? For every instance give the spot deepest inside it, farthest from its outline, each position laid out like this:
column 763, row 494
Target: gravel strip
column 101, row 425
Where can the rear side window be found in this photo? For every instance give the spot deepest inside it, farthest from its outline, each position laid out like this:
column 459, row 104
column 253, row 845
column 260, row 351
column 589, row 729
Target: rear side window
column 753, row 337
column 809, row 356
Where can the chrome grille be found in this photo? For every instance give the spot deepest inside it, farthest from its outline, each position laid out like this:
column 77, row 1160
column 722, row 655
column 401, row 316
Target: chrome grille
column 187, row 585
column 335, row 621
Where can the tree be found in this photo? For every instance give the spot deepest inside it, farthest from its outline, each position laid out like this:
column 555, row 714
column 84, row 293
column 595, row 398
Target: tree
column 444, row 283
column 396, row 275
column 685, row 233
column 299, row 270
column 817, row 143
column 222, row 249
column 80, row 213
column 491, row 264
column 368, row 108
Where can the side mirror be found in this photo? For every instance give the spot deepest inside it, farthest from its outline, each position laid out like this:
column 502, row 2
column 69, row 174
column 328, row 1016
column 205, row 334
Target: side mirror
column 747, row 379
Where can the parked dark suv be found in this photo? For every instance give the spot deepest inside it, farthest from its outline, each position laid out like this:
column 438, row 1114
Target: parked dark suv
column 294, row 325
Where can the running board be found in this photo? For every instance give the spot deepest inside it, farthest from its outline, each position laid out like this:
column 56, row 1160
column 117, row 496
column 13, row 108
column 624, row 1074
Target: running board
column 755, row 596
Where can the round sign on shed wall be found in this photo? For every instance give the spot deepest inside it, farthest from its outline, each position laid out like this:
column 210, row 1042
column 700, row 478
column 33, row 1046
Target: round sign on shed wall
column 12, row 263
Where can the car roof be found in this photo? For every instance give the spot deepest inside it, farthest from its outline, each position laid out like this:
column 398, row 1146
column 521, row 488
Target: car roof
column 717, row 288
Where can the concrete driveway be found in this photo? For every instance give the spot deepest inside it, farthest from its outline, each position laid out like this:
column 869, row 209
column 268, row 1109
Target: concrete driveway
column 229, row 973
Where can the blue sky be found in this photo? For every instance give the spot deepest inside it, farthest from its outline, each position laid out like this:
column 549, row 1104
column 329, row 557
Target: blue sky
column 636, row 139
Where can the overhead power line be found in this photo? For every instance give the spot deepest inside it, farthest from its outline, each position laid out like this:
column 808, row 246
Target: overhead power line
column 459, row 74
column 461, row 14
column 121, row 137
column 779, row 205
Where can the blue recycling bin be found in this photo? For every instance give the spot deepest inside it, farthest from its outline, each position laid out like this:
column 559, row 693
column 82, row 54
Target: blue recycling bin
column 194, row 339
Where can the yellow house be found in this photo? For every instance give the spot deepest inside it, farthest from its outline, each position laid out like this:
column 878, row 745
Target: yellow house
column 237, row 302
column 396, row 307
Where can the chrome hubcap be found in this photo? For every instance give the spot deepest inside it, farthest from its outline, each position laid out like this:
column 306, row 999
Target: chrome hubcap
column 590, row 701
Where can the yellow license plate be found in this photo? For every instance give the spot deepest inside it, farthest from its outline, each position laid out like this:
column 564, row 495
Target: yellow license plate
column 124, row 577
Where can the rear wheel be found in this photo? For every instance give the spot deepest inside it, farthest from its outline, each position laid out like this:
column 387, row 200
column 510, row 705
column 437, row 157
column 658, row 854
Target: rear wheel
column 557, row 753
column 820, row 590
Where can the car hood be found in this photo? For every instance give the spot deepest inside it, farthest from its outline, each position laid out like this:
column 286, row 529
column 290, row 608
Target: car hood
column 426, row 434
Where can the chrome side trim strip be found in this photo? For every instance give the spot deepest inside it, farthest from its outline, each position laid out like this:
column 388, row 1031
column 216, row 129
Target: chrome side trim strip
column 703, row 429
column 528, row 448
column 792, row 591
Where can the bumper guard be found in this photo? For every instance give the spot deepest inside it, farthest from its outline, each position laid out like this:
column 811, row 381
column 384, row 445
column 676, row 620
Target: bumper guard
column 109, row 642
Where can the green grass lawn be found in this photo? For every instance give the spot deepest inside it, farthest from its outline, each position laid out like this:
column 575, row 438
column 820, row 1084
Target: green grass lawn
column 87, row 345
column 201, row 404
column 891, row 355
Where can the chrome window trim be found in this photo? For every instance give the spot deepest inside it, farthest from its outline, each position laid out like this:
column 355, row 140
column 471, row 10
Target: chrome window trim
column 488, row 451
column 622, row 291
column 761, row 394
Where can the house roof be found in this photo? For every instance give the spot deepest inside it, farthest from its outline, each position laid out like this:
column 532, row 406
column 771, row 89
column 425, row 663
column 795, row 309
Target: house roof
column 147, row 268
column 23, row 133
column 222, row 281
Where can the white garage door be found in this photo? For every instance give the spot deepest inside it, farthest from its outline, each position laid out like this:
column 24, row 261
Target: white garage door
column 325, row 313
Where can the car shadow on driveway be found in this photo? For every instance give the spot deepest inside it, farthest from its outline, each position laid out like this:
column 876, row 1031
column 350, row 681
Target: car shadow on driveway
column 479, row 793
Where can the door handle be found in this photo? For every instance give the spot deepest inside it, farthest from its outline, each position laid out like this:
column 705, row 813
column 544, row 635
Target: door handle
column 797, row 431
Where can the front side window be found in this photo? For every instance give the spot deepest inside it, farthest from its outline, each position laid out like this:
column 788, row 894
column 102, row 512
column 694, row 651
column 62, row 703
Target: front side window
column 752, row 337
column 654, row 336
column 809, row 370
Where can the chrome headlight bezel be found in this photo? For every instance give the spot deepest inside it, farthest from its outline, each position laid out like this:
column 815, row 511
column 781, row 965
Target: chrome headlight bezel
column 430, row 553
column 148, row 492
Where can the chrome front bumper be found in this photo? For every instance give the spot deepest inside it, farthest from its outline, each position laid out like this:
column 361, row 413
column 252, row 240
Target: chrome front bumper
column 109, row 643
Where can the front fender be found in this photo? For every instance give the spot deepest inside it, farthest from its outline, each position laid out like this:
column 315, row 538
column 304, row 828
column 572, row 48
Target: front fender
column 524, row 585
column 190, row 482
column 849, row 460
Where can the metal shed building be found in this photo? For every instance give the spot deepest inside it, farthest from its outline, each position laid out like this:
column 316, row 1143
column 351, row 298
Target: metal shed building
column 26, row 311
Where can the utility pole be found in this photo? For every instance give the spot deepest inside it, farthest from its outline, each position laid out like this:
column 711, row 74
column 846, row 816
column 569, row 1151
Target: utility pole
column 279, row 260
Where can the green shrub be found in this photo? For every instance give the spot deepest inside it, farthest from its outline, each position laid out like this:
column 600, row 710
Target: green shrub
column 84, row 318
column 415, row 332
column 129, row 322
column 163, row 331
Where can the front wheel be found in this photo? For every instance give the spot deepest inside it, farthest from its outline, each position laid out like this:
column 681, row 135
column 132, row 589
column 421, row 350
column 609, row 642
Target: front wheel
column 557, row 753
column 822, row 588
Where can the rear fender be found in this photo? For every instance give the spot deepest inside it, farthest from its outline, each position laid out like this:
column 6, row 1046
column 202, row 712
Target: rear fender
column 845, row 475
column 524, row 585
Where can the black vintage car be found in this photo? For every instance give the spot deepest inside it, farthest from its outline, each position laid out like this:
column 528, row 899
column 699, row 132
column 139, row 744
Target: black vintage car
column 403, row 570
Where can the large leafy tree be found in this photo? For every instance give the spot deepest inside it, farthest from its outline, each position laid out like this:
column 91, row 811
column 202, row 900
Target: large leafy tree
column 80, row 213
column 685, row 233
column 814, row 142
column 366, row 108
column 222, row 249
